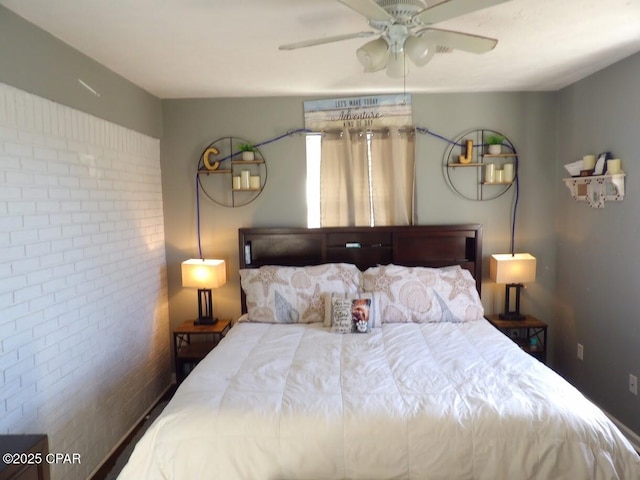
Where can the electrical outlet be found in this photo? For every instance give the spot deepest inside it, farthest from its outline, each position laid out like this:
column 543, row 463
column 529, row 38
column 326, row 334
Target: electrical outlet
column 580, row 352
column 633, row 384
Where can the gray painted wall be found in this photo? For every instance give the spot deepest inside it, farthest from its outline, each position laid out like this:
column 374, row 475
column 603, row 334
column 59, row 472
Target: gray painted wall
column 528, row 119
column 598, row 279
column 37, row 62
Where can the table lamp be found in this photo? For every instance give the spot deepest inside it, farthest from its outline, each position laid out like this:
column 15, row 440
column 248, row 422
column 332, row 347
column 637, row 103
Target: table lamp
column 204, row 274
column 513, row 269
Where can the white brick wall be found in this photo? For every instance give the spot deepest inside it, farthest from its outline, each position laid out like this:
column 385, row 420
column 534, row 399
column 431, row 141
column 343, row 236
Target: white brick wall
column 84, row 329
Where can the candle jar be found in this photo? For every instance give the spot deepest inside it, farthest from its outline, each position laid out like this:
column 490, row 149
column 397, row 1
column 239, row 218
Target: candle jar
column 613, row 166
column 507, row 175
column 237, row 185
column 490, row 173
column 245, row 179
column 588, row 162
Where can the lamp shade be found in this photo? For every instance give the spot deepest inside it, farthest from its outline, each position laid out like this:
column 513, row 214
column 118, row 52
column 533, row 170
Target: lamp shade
column 419, row 49
column 203, row 273
column 512, row 268
column 373, row 55
column 397, row 67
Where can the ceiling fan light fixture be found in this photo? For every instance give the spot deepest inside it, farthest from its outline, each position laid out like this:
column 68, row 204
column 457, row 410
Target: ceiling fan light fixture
column 397, row 66
column 373, row 55
column 419, row 49
column 406, row 30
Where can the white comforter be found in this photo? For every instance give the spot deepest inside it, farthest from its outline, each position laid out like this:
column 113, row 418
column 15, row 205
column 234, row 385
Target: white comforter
column 429, row 401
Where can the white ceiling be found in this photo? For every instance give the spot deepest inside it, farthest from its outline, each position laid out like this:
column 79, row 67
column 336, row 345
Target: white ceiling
column 218, row 48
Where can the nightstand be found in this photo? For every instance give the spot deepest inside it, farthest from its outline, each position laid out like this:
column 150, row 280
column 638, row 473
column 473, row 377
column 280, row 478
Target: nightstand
column 32, row 463
column 530, row 334
column 188, row 352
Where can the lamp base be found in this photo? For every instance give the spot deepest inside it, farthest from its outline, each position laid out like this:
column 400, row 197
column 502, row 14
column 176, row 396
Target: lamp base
column 206, row 321
column 508, row 313
column 205, row 308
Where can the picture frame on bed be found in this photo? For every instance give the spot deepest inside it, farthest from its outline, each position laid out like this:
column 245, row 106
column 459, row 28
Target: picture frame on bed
column 350, row 314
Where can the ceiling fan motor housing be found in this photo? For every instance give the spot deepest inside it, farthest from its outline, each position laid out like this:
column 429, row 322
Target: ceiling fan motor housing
column 403, row 10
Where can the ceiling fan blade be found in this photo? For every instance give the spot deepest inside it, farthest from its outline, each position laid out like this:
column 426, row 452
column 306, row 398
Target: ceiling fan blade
column 369, row 9
column 458, row 40
column 453, row 8
column 320, row 41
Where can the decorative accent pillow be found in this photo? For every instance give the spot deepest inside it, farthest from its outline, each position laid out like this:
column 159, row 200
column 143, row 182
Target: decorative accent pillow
column 421, row 294
column 278, row 294
column 350, row 314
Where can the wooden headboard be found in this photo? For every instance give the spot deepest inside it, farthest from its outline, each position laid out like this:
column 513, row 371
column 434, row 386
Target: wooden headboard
column 426, row 245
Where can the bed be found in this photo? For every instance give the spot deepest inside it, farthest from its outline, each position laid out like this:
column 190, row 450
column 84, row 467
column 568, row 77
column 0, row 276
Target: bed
column 419, row 386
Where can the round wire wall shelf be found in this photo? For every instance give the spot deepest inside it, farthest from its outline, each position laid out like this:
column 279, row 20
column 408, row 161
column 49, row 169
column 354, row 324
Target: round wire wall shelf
column 468, row 177
column 225, row 178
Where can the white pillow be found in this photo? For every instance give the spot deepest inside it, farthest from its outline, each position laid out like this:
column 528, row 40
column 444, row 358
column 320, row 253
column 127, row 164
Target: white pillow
column 422, row 294
column 276, row 294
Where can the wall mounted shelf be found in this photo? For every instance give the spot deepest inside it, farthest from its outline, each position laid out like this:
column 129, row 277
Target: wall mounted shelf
column 469, row 180
column 597, row 189
column 220, row 185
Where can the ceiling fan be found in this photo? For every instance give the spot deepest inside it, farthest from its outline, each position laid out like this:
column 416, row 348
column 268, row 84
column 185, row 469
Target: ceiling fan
column 404, row 27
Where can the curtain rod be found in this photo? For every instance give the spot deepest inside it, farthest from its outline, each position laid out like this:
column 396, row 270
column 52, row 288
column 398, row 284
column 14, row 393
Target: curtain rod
column 362, row 130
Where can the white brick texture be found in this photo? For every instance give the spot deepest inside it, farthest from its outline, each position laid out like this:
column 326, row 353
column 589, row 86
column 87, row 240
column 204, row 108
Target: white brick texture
column 84, row 324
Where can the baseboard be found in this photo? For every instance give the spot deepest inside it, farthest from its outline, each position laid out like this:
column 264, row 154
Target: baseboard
column 124, row 438
column 632, row 436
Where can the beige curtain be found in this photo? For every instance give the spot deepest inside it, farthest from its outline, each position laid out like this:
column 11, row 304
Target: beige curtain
column 344, row 180
column 392, row 176
column 366, row 183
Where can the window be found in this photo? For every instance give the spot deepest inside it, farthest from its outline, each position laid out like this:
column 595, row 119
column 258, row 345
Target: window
column 313, row 179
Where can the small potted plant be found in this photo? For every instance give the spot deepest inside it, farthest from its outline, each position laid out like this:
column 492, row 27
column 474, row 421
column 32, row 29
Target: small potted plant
column 495, row 144
column 248, row 151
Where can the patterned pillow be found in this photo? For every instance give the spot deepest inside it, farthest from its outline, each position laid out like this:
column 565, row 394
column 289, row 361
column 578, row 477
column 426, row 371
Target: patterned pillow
column 295, row 294
column 350, row 313
column 421, row 294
